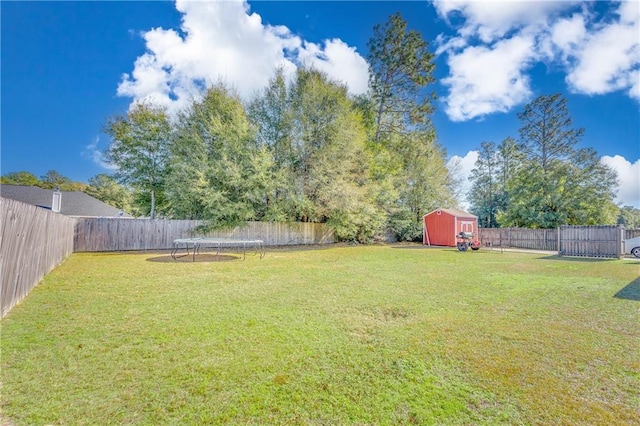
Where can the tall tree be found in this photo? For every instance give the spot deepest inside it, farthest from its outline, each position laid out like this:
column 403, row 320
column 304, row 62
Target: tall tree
column 140, row 151
column 400, row 68
column 558, row 183
column 423, row 183
column 495, row 167
column 106, row 189
column 217, row 168
column 53, row 179
column 331, row 161
column 629, row 216
column 271, row 113
column 547, row 135
column 484, row 194
column 406, row 155
column 510, row 159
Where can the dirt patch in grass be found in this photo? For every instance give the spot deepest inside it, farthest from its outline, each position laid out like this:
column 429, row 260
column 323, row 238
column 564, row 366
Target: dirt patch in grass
column 199, row 258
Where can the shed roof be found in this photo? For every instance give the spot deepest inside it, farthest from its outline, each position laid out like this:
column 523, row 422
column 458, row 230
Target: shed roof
column 73, row 203
column 453, row 212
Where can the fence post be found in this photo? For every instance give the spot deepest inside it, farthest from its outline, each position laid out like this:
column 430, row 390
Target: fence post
column 620, row 241
column 559, row 241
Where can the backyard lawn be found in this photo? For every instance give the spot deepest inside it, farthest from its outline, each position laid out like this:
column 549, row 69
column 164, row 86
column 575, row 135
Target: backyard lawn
column 341, row 335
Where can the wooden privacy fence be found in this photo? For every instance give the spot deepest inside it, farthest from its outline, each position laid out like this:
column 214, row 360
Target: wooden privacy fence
column 33, row 241
column 591, row 241
column 532, row 239
column 117, row 234
column 585, row 241
column 631, row 233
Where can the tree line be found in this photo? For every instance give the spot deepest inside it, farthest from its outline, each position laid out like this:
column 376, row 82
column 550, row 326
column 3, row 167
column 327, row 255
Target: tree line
column 543, row 180
column 304, row 149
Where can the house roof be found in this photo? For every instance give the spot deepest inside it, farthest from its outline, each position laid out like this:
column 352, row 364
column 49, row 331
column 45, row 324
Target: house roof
column 453, row 212
column 73, row 203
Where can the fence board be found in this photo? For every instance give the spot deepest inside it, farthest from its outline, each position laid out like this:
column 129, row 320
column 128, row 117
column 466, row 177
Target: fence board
column 631, row 233
column 532, row 239
column 585, row 241
column 118, row 234
column 33, row 241
column 591, row 241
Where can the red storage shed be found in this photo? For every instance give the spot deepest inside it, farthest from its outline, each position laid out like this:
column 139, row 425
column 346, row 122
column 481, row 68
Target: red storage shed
column 441, row 226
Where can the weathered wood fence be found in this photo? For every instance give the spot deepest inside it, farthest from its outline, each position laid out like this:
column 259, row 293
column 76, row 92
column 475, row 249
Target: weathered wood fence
column 116, row 234
column 583, row 241
column 532, row 239
column 33, row 241
column 591, row 241
column 631, row 233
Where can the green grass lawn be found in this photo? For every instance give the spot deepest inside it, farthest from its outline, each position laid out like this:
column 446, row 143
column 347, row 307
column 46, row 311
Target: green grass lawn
column 344, row 335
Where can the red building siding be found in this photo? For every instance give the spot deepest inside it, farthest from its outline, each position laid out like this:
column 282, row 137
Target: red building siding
column 441, row 226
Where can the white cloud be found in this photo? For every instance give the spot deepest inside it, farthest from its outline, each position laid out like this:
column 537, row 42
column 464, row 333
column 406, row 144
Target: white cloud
column 628, row 177
column 607, row 58
column 498, row 42
column 491, row 20
column 223, row 40
column 92, row 152
column 460, row 168
column 568, row 34
column 339, row 61
column 486, row 80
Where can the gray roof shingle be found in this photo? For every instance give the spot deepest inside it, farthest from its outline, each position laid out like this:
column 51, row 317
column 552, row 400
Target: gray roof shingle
column 73, row 203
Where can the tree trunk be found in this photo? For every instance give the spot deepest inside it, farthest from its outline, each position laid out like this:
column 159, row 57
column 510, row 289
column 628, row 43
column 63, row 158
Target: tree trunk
column 153, row 204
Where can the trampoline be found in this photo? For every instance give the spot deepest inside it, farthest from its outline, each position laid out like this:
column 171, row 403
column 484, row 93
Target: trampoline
column 193, row 246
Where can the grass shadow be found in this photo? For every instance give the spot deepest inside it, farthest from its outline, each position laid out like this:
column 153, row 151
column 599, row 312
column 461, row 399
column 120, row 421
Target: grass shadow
column 631, row 291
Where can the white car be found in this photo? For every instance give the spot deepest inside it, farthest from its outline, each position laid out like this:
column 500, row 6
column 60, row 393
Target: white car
column 632, row 246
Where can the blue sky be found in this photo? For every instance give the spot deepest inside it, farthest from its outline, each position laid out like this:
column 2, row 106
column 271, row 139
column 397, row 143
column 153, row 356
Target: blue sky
column 68, row 66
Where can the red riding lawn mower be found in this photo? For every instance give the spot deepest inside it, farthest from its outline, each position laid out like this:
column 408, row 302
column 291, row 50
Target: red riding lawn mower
column 464, row 240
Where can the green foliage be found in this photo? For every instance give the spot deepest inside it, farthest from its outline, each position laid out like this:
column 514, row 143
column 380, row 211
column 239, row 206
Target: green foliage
column 547, row 135
column 400, row 67
column 404, row 226
column 318, row 142
column 271, row 114
column 484, row 194
column 495, row 167
column 301, row 150
column 140, row 150
column 331, row 167
column 409, row 159
column 20, row 178
column 218, row 173
column 106, row 189
column 556, row 183
column 424, row 182
column 50, row 180
column 629, row 216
